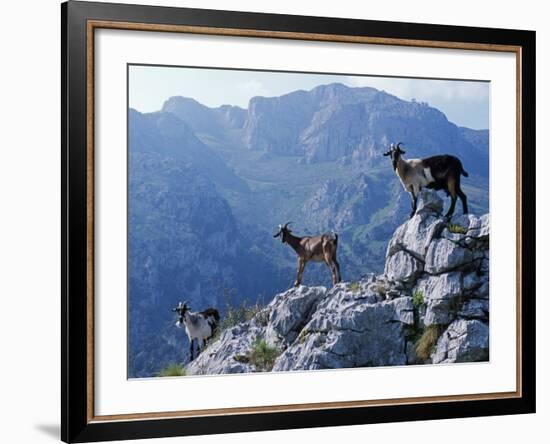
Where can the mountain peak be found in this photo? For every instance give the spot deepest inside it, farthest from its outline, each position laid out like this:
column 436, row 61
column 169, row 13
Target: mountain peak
column 178, row 101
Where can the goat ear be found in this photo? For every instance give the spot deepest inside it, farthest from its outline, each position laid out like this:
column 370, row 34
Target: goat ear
column 277, row 235
column 387, row 153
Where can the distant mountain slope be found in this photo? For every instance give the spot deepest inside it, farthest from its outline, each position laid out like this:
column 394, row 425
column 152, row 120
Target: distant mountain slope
column 204, row 120
column 166, row 134
column 478, row 138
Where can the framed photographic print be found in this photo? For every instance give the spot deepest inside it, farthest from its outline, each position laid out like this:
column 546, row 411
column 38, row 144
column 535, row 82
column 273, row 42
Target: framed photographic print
column 276, row 221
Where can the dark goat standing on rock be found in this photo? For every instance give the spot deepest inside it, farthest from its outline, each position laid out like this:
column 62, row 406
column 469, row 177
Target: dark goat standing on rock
column 437, row 173
column 198, row 325
column 320, row 248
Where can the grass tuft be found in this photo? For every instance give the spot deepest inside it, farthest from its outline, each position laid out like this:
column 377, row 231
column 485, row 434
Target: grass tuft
column 172, row 370
column 262, row 356
column 243, row 359
column 418, row 298
column 237, row 314
column 355, row 287
column 455, row 228
column 425, row 345
column 380, row 288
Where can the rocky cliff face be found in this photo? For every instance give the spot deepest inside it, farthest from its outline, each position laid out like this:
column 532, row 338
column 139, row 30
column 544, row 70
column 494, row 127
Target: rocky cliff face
column 337, row 205
column 333, row 122
column 431, row 305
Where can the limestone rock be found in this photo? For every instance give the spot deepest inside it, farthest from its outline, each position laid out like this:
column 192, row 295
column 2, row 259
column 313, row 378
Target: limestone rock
column 439, row 293
column 444, row 255
column 288, row 312
column 463, row 341
column 402, row 267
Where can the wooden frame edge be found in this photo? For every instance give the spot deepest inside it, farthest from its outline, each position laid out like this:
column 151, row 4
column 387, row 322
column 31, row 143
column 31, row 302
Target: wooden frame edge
column 94, row 24
column 285, row 408
column 337, row 38
column 90, row 208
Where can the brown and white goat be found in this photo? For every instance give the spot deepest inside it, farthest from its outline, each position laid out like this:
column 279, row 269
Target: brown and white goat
column 320, row 248
column 437, row 172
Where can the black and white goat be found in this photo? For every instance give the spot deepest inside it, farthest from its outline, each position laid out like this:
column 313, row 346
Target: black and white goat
column 320, row 248
column 437, row 172
column 198, row 325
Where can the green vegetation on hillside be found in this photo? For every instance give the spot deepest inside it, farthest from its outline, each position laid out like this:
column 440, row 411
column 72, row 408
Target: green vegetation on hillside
column 172, row 370
column 262, row 356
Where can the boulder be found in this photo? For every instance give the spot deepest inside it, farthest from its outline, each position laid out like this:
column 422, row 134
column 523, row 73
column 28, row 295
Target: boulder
column 429, row 202
column 350, row 332
column 463, row 341
column 415, row 235
column 439, row 293
column 474, row 309
column 223, row 355
column 444, row 255
column 288, row 313
column 402, row 267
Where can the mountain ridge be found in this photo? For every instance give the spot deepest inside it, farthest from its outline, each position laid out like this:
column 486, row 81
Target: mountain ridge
column 333, row 121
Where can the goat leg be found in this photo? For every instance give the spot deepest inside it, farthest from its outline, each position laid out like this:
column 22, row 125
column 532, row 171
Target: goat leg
column 301, row 266
column 332, row 269
column 464, row 200
column 451, row 208
column 191, row 350
column 337, row 266
column 200, row 346
column 414, row 199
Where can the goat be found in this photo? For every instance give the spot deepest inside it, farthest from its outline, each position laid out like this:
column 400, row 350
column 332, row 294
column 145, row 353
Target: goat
column 198, row 325
column 320, row 248
column 437, row 172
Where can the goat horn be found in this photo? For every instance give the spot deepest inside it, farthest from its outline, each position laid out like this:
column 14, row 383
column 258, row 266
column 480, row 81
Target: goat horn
column 399, row 144
column 287, row 224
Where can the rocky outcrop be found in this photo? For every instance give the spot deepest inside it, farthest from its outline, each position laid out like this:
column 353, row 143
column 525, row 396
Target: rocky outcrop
column 435, row 280
column 450, row 277
column 464, row 341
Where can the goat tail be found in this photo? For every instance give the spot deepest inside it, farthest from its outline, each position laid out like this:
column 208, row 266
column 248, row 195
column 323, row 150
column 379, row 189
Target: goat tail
column 211, row 312
column 335, row 234
column 463, row 171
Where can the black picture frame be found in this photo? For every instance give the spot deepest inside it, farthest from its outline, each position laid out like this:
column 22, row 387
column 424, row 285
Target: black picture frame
column 76, row 423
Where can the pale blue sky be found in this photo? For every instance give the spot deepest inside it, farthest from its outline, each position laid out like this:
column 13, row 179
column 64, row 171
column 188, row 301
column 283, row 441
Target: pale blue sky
column 465, row 103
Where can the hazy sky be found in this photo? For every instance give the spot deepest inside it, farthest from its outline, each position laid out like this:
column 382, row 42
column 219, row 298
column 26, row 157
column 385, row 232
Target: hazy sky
column 465, row 103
